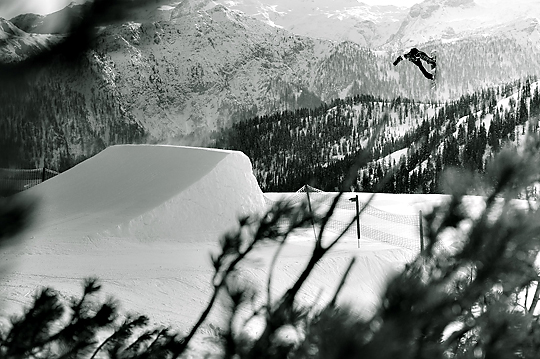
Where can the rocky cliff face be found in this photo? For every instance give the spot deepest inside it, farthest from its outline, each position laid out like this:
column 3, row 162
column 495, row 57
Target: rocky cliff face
column 208, row 66
column 201, row 69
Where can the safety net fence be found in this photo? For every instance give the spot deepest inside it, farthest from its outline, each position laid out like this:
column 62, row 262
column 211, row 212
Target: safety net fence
column 375, row 224
column 17, row 180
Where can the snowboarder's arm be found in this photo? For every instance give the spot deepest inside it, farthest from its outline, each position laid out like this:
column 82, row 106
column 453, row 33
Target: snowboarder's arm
column 398, row 60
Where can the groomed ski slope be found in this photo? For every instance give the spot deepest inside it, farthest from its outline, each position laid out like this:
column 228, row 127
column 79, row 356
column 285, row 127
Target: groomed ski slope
column 144, row 220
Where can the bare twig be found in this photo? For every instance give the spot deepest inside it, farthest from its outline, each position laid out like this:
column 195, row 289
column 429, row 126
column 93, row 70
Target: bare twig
column 342, row 282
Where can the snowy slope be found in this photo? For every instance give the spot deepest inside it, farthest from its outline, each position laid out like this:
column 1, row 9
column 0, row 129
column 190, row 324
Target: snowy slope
column 343, row 20
column 450, row 20
column 153, row 192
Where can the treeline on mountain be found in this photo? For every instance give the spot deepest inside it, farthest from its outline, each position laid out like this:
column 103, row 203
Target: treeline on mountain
column 44, row 123
column 463, row 67
column 292, row 148
column 442, row 142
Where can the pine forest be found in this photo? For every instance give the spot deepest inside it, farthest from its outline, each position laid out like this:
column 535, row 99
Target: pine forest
column 317, row 147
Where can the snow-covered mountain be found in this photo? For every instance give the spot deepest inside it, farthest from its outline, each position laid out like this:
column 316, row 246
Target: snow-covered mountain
column 169, row 69
column 391, row 27
column 58, row 22
column 17, row 45
column 208, row 66
column 451, row 20
column 338, row 20
column 205, row 66
column 397, row 27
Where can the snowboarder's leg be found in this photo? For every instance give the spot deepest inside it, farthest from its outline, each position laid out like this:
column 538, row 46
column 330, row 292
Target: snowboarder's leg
column 424, row 71
column 434, row 68
column 430, row 60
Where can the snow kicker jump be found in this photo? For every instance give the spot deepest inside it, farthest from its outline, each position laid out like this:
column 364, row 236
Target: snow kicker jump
column 149, row 192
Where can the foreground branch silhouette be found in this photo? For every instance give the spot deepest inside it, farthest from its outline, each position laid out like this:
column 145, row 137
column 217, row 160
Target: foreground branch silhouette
column 462, row 297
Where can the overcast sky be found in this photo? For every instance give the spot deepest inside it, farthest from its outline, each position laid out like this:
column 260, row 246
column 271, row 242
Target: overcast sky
column 11, row 8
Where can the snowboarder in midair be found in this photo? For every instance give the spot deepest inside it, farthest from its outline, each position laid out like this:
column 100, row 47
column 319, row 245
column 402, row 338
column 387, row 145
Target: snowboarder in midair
column 415, row 56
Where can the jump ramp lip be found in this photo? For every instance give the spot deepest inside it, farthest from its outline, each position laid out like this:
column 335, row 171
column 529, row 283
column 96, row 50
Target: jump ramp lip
column 124, row 184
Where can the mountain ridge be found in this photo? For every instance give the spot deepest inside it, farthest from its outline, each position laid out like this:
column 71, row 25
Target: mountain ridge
column 17, row 45
column 168, row 72
column 387, row 27
column 442, row 20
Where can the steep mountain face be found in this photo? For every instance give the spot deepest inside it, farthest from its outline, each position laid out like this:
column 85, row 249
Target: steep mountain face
column 17, row 45
column 451, row 20
column 204, row 68
column 337, row 20
column 209, row 66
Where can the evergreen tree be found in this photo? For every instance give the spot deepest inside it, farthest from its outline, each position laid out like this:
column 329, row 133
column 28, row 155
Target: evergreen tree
column 523, row 112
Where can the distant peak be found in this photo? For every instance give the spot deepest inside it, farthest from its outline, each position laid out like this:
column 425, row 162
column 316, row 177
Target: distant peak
column 457, row 3
column 190, row 6
column 446, row 3
column 428, row 7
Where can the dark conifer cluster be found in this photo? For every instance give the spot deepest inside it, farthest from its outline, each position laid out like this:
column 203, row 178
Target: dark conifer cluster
column 290, row 149
column 33, row 133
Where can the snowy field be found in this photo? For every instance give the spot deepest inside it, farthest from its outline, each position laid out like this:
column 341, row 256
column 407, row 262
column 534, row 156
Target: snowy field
column 144, row 220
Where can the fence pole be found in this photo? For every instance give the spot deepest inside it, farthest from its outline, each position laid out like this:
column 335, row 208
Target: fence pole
column 43, row 175
column 420, row 222
column 311, row 212
column 358, row 220
column 355, row 199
